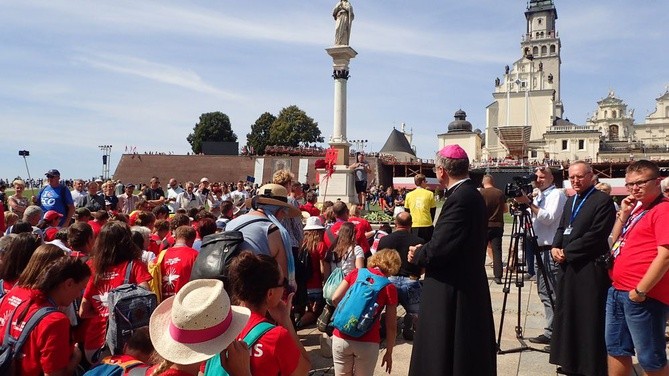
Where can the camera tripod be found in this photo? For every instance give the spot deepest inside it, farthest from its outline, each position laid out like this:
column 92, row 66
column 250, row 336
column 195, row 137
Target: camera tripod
column 522, row 232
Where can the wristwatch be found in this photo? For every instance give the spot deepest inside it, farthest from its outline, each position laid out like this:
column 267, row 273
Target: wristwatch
column 640, row 293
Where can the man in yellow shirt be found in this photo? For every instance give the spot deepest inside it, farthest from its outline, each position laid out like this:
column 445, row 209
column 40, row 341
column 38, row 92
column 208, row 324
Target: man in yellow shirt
column 421, row 204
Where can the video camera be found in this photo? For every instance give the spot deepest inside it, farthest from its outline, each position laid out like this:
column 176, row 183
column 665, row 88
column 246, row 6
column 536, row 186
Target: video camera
column 520, row 186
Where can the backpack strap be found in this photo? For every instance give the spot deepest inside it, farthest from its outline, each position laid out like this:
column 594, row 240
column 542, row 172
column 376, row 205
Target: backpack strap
column 250, row 222
column 256, row 332
column 30, row 325
column 2, row 288
column 128, row 270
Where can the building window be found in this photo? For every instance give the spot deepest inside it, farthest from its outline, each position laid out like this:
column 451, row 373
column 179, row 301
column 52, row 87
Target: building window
column 613, row 114
column 552, row 49
column 535, row 51
column 613, row 132
column 565, row 144
column 543, row 50
column 581, row 144
column 533, row 153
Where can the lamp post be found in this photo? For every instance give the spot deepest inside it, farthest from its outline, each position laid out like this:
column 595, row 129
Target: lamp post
column 106, row 150
column 24, row 154
column 359, row 145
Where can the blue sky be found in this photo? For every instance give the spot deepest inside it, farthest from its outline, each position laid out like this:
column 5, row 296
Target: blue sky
column 78, row 74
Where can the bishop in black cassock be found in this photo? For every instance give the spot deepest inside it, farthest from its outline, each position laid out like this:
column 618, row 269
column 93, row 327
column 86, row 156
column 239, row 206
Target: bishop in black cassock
column 456, row 332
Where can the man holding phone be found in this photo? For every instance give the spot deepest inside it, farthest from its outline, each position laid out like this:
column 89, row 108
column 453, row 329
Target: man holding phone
column 637, row 302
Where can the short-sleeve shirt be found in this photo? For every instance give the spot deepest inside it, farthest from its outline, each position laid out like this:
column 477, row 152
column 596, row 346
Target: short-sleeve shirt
column 361, row 171
column 387, row 296
column 153, row 194
column 57, row 199
column 360, row 238
column 48, row 348
column 176, row 268
column 275, row 353
column 639, row 251
column 419, row 202
column 96, row 293
column 316, row 279
column 494, row 202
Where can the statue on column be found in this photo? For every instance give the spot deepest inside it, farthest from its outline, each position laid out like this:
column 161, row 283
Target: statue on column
column 343, row 15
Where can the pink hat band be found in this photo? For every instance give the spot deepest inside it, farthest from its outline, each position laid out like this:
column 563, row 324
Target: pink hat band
column 453, row 152
column 200, row 335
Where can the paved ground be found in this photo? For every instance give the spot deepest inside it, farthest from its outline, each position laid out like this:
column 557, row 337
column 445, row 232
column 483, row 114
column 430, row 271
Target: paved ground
column 528, row 362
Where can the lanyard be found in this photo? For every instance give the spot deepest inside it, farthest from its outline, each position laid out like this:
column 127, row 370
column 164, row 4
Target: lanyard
column 629, row 225
column 578, row 209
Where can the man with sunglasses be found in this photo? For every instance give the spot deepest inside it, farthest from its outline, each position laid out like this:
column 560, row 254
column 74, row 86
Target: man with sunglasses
column 637, row 302
column 546, row 208
column 582, row 237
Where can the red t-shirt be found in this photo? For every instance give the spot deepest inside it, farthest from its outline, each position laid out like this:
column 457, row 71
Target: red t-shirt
column 275, row 353
column 360, row 238
column 176, row 268
column 96, row 294
column 387, row 296
column 50, row 233
column 48, row 348
column 640, row 249
column 318, row 254
column 154, row 244
column 7, row 285
column 96, row 226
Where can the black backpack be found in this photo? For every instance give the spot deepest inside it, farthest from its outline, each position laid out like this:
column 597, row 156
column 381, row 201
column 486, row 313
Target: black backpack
column 217, row 252
column 303, row 268
column 11, row 346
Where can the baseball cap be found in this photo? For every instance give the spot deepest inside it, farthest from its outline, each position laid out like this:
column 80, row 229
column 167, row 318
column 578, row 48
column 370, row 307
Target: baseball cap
column 51, row 215
column 52, row 172
column 204, row 180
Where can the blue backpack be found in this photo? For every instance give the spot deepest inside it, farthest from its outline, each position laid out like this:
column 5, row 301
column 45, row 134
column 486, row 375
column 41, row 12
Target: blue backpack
column 357, row 311
column 213, row 366
column 108, row 367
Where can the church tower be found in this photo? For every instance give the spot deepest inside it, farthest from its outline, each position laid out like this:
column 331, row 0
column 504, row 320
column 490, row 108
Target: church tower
column 527, row 98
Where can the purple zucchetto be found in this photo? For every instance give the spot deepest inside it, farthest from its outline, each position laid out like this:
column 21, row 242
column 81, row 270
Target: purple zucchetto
column 453, row 152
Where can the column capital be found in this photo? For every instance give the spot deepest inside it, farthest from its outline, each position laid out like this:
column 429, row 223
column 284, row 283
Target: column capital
column 340, row 73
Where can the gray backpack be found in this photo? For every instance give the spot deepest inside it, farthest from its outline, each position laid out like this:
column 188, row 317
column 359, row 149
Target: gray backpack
column 130, row 308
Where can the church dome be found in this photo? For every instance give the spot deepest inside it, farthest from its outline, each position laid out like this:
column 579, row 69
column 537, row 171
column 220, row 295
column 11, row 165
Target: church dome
column 460, row 124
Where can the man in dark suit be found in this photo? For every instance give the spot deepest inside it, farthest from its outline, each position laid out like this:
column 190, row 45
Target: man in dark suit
column 456, row 335
column 407, row 280
column 577, row 344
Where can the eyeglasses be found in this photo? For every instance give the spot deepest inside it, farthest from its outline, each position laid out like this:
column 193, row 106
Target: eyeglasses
column 578, row 177
column 283, row 283
column 638, row 184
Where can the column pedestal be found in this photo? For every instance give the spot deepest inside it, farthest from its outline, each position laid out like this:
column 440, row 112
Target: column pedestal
column 339, row 186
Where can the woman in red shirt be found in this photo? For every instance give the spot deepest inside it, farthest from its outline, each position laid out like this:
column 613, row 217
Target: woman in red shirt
column 313, row 284
column 48, row 350
column 258, row 284
column 358, row 355
column 112, row 253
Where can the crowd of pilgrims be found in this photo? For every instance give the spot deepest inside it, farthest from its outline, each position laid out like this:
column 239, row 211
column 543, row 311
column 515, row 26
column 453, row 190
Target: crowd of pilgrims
column 49, row 261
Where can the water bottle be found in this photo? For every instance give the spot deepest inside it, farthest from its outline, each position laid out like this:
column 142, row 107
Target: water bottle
column 367, row 318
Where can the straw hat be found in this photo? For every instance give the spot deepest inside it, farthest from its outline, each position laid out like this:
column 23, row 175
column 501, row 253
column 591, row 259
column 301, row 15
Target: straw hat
column 313, row 223
column 274, row 194
column 197, row 323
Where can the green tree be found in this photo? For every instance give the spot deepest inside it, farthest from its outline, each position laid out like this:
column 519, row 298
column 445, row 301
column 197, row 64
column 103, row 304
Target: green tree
column 213, row 126
column 260, row 131
column 293, row 127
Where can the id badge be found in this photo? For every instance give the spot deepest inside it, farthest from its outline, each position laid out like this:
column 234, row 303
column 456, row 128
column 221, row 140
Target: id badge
column 567, row 231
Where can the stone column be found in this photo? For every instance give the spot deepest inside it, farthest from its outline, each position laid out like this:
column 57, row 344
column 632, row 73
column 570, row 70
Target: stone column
column 339, row 186
column 341, row 56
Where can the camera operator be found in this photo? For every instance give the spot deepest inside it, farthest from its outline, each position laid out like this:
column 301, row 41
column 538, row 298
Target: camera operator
column 546, row 210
